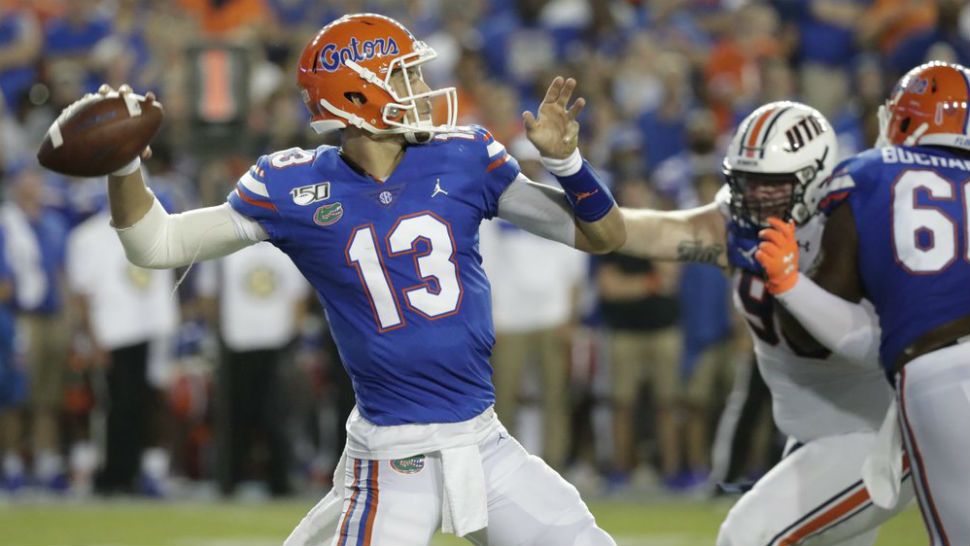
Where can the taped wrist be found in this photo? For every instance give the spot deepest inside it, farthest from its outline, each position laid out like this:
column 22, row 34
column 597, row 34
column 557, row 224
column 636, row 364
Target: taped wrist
column 129, row 168
column 586, row 193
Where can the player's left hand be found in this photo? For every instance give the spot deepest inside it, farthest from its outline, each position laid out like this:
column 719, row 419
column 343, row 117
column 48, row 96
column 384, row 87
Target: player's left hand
column 555, row 131
column 126, row 89
column 778, row 255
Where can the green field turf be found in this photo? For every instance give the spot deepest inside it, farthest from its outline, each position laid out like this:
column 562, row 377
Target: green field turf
column 136, row 523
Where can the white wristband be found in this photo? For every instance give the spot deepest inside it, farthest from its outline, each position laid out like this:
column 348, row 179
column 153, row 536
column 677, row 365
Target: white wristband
column 564, row 167
column 131, row 167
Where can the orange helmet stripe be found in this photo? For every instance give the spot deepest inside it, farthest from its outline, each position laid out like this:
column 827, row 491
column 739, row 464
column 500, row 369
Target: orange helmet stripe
column 753, row 133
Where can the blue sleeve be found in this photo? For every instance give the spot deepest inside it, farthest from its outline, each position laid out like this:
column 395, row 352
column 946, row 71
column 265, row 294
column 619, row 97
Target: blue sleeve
column 500, row 168
column 251, row 198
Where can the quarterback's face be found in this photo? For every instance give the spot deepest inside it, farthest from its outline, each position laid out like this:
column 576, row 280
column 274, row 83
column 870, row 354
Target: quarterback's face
column 401, row 80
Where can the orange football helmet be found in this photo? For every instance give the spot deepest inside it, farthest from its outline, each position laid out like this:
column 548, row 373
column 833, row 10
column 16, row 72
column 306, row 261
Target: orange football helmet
column 928, row 106
column 345, row 76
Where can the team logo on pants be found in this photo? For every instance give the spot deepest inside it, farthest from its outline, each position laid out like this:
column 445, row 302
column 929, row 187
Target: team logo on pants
column 411, row 465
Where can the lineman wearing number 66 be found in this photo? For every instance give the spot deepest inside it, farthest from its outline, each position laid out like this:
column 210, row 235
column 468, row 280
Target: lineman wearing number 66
column 385, row 227
column 829, row 407
column 899, row 236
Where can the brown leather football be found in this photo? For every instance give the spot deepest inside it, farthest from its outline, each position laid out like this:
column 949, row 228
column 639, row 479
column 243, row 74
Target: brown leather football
column 99, row 134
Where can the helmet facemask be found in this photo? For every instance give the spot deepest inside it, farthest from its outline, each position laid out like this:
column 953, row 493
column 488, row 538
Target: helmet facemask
column 413, row 112
column 885, row 116
column 755, row 196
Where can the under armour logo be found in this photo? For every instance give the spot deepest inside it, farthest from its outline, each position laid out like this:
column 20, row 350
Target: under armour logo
column 749, row 254
column 437, row 188
column 806, row 246
column 583, row 195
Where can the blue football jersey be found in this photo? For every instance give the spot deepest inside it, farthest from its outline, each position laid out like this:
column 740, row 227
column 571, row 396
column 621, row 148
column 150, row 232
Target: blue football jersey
column 396, row 266
column 910, row 206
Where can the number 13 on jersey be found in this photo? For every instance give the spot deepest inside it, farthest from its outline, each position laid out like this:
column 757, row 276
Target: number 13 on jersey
column 438, row 292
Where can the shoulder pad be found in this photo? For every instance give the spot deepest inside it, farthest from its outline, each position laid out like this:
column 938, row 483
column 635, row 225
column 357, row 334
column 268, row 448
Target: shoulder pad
column 464, row 132
column 285, row 159
column 723, row 200
column 869, row 158
column 493, row 152
column 845, row 179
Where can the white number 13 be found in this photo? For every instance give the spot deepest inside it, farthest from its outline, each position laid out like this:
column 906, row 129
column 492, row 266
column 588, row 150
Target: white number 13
column 435, row 265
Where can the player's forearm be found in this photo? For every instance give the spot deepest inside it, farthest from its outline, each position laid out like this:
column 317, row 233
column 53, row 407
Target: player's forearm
column 651, row 234
column 696, row 235
column 846, row 328
column 604, row 235
column 160, row 240
column 128, row 198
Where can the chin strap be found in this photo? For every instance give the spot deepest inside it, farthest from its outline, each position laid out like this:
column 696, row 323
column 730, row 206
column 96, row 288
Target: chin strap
column 913, row 139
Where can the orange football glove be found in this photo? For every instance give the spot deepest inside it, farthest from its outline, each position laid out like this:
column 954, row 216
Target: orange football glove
column 778, row 254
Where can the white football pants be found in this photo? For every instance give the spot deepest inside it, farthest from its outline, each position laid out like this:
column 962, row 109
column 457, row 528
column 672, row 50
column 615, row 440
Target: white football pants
column 398, row 503
column 815, row 495
column 934, row 406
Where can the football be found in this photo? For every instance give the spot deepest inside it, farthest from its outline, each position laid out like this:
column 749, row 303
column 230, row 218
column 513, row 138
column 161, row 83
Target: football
column 99, row 134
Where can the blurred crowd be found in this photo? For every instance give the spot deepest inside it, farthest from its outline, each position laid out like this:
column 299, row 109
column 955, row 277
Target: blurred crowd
column 621, row 372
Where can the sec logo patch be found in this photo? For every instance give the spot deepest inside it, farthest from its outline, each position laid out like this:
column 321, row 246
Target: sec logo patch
column 411, row 465
column 328, row 214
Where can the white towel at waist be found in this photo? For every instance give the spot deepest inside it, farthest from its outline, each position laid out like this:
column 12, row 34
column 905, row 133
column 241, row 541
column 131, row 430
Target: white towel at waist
column 882, row 471
column 464, row 503
column 365, row 440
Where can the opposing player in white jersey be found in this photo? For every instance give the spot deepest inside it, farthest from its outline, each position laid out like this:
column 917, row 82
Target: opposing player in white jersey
column 829, row 407
column 899, row 236
column 385, row 228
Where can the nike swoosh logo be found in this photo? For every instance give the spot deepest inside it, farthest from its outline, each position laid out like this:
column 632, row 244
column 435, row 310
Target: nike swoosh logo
column 584, row 195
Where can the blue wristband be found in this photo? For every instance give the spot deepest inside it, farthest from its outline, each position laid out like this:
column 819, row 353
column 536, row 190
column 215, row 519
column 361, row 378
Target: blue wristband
column 587, row 194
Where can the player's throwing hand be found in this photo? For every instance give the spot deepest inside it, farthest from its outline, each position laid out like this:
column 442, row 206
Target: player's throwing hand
column 125, row 89
column 778, row 254
column 555, row 131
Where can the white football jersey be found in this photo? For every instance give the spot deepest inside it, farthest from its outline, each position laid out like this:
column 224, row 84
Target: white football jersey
column 813, row 395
